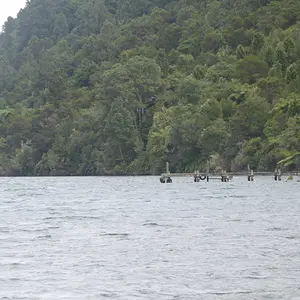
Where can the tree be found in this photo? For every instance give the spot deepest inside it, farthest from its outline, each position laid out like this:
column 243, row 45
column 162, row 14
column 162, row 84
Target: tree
column 214, row 138
column 7, row 75
column 240, row 52
column 120, row 87
column 250, row 69
column 61, row 28
column 250, row 117
column 122, row 139
column 134, row 82
column 281, row 58
column 92, row 15
column 289, row 160
column 257, row 42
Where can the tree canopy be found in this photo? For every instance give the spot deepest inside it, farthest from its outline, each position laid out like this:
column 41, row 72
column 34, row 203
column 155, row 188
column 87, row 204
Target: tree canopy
column 101, row 87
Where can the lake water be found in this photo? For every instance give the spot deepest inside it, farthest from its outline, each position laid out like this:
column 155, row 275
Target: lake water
column 135, row 238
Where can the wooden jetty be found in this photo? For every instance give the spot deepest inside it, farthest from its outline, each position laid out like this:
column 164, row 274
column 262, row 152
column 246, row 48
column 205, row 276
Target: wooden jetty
column 197, row 175
column 223, row 176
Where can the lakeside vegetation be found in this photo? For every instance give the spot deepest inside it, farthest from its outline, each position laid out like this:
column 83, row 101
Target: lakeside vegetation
column 109, row 87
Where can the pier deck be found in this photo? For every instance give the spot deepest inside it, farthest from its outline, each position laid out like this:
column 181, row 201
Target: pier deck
column 224, row 176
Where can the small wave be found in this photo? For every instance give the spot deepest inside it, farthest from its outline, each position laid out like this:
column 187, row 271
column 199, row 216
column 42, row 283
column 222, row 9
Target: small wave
column 215, row 197
column 230, row 293
column 39, row 229
column 17, row 264
column 72, row 218
column 29, row 195
column 277, row 229
column 14, row 264
column 14, row 298
column 256, row 277
column 239, row 196
column 33, row 230
column 154, row 224
column 210, row 229
column 51, row 218
column 14, row 279
column 151, row 224
column 235, row 220
column 44, row 237
column 107, row 295
column 53, row 212
column 115, row 234
column 4, row 229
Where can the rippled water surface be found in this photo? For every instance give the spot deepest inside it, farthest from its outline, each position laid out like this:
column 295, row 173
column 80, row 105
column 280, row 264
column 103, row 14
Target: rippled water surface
column 135, row 238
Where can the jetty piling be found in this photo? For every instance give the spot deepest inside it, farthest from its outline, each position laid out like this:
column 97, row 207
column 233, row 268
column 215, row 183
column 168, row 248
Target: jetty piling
column 277, row 175
column 166, row 177
column 250, row 174
column 224, row 176
column 197, row 175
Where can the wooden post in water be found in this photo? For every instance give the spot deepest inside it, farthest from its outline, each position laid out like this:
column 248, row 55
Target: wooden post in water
column 167, row 168
column 202, row 176
column 207, row 171
column 197, row 176
column 169, row 180
column 250, row 174
column 224, row 176
column 166, row 178
column 277, row 175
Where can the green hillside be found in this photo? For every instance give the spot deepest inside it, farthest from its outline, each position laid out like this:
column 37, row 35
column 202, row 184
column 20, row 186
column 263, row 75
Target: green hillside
column 121, row 86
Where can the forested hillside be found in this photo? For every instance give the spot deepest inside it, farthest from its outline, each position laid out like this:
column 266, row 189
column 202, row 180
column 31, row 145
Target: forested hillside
column 100, row 87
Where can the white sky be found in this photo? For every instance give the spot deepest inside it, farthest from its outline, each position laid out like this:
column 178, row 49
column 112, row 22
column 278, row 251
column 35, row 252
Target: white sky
column 10, row 8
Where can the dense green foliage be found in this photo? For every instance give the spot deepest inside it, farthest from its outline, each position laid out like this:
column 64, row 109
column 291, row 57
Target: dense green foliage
column 120, row 87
